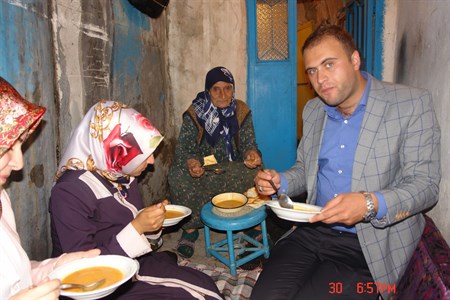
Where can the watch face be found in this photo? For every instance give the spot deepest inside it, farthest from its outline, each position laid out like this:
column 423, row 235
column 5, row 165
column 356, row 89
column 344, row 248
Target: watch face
column 369, row 217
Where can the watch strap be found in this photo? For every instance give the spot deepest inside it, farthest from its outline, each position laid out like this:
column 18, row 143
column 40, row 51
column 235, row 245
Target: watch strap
column 371, row 213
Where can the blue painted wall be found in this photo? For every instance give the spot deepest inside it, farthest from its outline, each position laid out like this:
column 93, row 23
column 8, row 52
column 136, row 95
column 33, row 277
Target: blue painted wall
column 128, row 48
column 26, row 62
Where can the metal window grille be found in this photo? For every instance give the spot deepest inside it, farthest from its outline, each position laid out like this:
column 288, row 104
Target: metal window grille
column 272, row 29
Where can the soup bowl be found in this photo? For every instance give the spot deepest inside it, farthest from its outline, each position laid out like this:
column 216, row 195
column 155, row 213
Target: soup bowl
column 125, row 265
column 229, row 202
column 300, row 213
column 175, row 213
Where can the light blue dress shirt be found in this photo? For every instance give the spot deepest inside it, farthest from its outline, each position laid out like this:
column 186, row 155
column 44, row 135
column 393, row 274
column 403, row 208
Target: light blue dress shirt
column 337, row 154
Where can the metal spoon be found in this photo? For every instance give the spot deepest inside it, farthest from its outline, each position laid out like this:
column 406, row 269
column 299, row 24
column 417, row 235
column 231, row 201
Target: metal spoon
column 216, row 171
column 84, row 287
column 283, row 199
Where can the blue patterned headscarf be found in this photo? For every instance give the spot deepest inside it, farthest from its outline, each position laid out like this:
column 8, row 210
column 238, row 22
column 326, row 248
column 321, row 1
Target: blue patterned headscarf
column 217, row 121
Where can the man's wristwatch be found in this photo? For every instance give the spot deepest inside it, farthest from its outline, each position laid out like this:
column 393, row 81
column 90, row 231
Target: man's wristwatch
column 371, row 213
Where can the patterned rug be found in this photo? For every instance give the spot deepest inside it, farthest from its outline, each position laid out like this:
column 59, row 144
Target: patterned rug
column 237, row 287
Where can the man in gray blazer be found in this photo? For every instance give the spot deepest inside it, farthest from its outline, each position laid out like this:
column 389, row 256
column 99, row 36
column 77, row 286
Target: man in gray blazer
column 370, row 157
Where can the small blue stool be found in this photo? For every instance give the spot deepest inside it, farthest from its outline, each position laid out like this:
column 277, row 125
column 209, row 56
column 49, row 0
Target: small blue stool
column 230, row 224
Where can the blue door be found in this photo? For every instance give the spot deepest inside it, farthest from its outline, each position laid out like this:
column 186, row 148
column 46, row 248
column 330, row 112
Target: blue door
column 272, row 79
column 364, row 20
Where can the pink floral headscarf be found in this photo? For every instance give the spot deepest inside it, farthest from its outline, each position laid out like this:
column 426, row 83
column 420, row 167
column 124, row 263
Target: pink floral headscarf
column 16, row 116
column 112, row 139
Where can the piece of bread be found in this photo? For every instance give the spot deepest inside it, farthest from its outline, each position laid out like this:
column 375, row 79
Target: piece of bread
column 209, row 160
column 251, row 192
column 254, row 197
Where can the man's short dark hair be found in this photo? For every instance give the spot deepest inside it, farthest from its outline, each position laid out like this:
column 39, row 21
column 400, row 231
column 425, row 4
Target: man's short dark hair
column 334, row 31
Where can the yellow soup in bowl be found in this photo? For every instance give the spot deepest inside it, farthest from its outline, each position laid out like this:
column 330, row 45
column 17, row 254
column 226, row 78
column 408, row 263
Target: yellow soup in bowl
column 171, row 214
column 232, row 203
column 91, row 274
column 229, row 202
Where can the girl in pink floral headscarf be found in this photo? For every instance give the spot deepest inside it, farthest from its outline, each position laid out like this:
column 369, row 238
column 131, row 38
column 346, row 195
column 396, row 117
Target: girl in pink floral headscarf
column 96, row 203
column 21, row 278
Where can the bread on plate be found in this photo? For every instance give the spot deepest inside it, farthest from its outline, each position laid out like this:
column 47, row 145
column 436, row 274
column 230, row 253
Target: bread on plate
column 254, row 197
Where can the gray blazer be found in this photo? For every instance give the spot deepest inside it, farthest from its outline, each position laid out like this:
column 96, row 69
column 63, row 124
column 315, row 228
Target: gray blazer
column 398, row 155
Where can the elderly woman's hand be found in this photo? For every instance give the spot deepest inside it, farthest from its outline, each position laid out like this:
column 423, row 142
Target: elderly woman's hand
column 151, row 218
column 195, row 168
column 252, row 159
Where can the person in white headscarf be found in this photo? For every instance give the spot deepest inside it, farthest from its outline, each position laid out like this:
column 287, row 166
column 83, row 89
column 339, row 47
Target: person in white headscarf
column 96, row 203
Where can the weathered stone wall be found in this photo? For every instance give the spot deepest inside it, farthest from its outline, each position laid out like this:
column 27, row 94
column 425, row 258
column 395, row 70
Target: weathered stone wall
column 204, row 34
column 417, row 47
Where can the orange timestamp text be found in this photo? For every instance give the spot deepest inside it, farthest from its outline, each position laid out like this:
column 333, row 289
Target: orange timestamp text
column 371, row 287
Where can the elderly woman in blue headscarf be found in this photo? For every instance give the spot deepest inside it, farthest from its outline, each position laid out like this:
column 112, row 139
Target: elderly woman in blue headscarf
column 217, row 128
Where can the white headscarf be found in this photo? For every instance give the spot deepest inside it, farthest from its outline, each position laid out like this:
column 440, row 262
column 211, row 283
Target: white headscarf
column 112, row 139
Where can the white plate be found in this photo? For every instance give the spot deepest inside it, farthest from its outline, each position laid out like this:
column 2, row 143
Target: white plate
column 296, row 214
column 173, row 221
column 126, row 265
